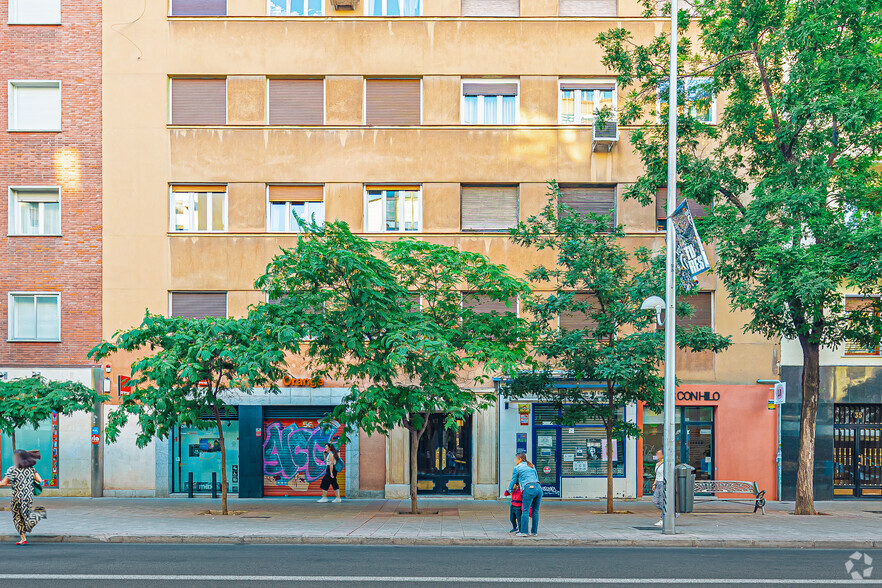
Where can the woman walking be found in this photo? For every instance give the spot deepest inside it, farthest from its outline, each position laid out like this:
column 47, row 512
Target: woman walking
column 332, row 457
column 21, row 477
column 526, row 477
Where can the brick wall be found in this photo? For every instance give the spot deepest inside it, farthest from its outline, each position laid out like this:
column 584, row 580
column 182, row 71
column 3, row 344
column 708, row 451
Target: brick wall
column 71, row 159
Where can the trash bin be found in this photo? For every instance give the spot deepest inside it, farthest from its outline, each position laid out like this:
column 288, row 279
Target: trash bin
column 685, row 494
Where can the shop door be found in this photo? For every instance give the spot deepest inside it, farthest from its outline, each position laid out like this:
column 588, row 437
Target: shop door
column 545, row 458
column 293, row 456
column 444, row 458
column 857, row 450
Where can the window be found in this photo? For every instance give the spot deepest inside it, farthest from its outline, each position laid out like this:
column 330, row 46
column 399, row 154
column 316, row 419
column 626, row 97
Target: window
column 34, row 106
column 702, row 304
column 287, row 204
column 198, row 101
column 296, row 102
column 699, row 97
column 393, row 209
column 34, row 211
column 295, row 7
column 491, row 8
column 35, row 12
column 866, row 305
column 392, row 102
column 198, row 304
column 198, row 208
column 587, row 8
column 600, row 200
column 661, row 208
column 393, row 8
column 198, row 7
column 490, row 103
column 580, row 320
column 483, row 304
column 489, row 208
column 34, row 317
column 580, row 101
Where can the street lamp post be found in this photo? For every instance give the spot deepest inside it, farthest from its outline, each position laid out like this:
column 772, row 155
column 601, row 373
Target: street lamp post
column 670, row 285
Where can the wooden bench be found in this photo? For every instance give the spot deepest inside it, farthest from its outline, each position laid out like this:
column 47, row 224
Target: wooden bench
column 732, row 487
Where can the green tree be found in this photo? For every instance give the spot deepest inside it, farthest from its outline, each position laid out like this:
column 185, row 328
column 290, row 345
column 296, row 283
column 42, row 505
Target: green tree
column 186, row 371
column 390, row 320
column 790, row 167
column 31, row 401
column 590, row 329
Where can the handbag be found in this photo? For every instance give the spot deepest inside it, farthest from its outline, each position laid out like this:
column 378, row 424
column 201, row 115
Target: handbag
column 38, row 488
column 339, row 465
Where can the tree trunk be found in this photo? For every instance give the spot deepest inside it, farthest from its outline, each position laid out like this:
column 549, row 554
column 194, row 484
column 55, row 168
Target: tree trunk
column 609, row 471
column 223, row 452
column 414, row 446
column 12, row 435
column 811, row 384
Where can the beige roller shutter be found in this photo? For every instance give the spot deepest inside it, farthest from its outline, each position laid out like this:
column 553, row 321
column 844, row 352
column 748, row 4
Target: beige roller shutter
column 489, row 208
column 199, row 304
column 491, row 7
column 661, row 205
column 198, row 7
column 578, row 321
column 590, row 199
column 296, row 102
column 481, row 303
column 296, row 193
column 587, row 8
column 392, row 102
column 489, row 89
column 703, row 305
column 199, row 101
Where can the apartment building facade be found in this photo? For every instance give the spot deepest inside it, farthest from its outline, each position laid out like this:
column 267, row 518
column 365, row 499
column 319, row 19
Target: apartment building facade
column 50, row 258
column 439, row 119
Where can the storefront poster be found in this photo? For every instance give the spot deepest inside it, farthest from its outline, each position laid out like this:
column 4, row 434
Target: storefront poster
column 293, row 456
column 615, row 451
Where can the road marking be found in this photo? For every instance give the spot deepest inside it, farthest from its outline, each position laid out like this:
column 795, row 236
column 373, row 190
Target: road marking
column 426, row 579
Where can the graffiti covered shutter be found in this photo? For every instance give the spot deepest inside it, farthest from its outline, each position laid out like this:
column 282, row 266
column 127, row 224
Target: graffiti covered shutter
column 293, row 459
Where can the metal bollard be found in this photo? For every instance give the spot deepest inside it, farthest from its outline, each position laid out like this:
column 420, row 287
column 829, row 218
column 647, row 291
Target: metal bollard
column 190, row 485
column 214, row 484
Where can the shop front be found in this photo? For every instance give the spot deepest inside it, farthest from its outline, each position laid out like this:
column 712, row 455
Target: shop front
column 726, row 432
column 444, row 458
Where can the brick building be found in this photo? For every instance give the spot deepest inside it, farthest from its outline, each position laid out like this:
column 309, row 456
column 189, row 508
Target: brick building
column 50, row 245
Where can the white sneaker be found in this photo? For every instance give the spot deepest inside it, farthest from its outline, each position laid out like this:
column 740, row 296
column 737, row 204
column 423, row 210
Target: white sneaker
column 521, row 535
column 322, row 499
column 659, row 524
column 338, row 499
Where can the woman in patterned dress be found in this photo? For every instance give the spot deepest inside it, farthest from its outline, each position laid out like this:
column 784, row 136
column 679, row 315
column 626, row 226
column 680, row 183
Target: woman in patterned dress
column 21, row 477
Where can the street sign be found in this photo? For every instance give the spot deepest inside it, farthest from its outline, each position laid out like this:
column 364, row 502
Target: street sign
column 780, row 393
column 96, row 439
column 95, row 430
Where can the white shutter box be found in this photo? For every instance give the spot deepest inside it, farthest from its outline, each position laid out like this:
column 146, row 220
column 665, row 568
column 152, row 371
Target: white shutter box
column 489, row 208
column 587, row 8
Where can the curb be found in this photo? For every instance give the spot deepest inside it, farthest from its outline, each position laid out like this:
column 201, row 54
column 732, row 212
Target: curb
column 686, row 541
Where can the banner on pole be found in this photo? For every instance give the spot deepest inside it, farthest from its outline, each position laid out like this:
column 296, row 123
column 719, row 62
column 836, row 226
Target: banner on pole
column 691, row 257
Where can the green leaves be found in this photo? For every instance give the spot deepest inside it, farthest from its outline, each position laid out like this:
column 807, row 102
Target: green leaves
column 30, row 401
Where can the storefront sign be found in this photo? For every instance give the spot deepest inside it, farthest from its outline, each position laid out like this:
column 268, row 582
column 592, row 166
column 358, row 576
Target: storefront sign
column 124, row 385
column 524, row 413
column 521, row 443
column 292, row 382
column 545, row 441
column 698, row 395
column 780, row 393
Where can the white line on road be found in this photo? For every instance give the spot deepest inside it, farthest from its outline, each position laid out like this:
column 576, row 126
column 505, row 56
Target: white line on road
column 427, row 579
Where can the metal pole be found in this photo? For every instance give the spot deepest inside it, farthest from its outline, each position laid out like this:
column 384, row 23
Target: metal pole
column 671, row 286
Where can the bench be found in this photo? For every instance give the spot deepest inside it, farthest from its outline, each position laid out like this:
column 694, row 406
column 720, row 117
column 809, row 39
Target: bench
column 733, row 487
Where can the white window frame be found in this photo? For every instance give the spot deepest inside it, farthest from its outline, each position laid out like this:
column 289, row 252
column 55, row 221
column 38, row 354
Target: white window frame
column 11, row 314
column 11, row 99
column 289, row 228
column 577, row 114
column 481, row 97
column 713, row 105
column 56, row 20
column 288, row 10
column 845, row 352
column 369, row 5
column 14, row 216
column 171, row 210
column 400, row 212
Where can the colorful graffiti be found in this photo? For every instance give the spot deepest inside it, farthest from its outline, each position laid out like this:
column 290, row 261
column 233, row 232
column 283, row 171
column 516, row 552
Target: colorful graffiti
column 293, row 456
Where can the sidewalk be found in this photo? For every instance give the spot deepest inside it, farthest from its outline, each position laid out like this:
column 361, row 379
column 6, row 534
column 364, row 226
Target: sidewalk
column 847, row 524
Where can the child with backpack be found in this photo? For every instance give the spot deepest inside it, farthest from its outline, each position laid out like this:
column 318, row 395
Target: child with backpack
column 516, row 508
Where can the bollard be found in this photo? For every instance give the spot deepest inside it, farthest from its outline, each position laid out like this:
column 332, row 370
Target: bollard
column 214, row 484
column 190, row 485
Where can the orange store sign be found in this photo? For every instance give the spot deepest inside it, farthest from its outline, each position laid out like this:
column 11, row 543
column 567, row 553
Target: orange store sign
column 293, row 382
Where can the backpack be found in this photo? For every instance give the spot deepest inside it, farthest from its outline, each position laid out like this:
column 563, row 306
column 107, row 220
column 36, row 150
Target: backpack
column 338, row 466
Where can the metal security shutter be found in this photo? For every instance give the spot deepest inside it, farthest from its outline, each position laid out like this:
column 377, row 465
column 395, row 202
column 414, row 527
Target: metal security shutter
column 489, row 208
column 481, row 303
column 392, row 102
column 198, row 7
column 587, row 8
column 590, row 200
column 199, row 101
column 296, row 102
column 661, row 205
column 702, row 303
column 491, row 7
column 199, row 304
column 489, row 89
column 578, row 321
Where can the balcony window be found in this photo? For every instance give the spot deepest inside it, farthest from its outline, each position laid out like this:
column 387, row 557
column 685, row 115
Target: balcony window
column 580, row 102
column 393, row 209
column 490, row 103
column 290, row 204
column 198, row 209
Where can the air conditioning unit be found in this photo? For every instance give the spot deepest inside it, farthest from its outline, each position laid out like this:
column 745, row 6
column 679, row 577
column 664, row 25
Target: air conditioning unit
column 604, row 135
column 345, row 4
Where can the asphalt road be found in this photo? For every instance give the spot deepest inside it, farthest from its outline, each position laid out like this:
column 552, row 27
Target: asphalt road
column 258, row 566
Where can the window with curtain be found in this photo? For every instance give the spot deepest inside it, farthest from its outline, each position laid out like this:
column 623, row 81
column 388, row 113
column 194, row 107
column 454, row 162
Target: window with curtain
column 35, row 211
column 489, row 103
column 868, row 305
column 290, row 204
column 295, row 8
column 34, row 317
column 580, row 101
column 392, row 209
column 198, row 208
column 393, row 8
